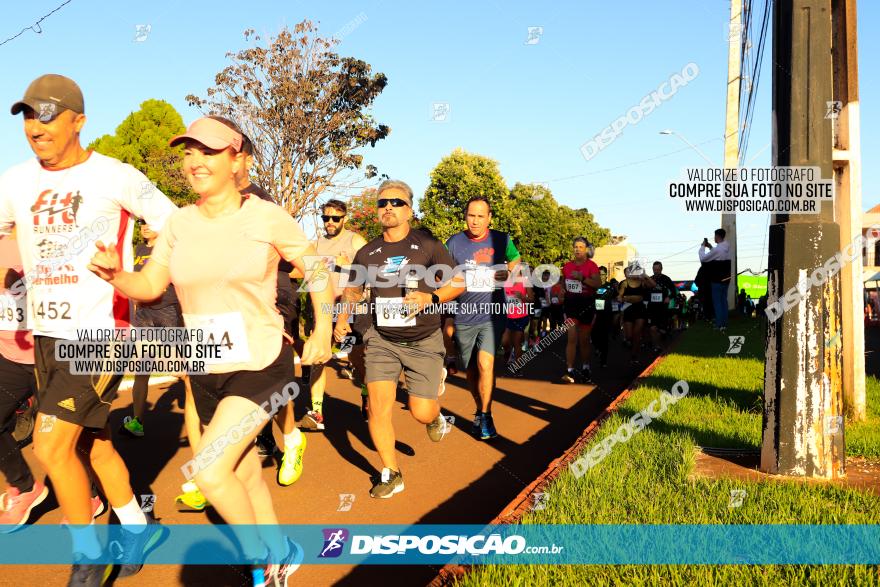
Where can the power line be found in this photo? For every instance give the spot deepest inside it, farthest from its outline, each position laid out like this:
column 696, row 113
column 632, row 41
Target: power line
column 36, row 26
column 632, row 163
column 755, row 76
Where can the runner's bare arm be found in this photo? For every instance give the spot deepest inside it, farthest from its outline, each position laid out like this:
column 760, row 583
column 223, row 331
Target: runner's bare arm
column 351, row 295
column 317, row 347
column 593, row 281
column 143, row 286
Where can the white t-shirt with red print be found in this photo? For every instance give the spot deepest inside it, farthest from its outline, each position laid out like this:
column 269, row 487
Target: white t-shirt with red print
column 59, row 216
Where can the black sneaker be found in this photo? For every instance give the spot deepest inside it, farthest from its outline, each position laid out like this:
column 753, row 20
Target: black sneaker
column 585, row 375
column 24, row 424
column 346, row 373
column 389, row 483
column 136, row 547
column 86, row 573
column 266, row 446
column 477, row 427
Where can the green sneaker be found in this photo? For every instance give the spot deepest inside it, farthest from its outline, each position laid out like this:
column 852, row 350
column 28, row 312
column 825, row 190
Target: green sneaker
column 191, row 501
column 439, row 428
column 390, row 482
column 132, row 427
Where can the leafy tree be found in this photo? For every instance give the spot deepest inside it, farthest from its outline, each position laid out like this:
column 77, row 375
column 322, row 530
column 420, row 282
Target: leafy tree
column 142, row 141
column 535, row 224
column 306, row 110
column 543, row 230
column 362, row 216
column 454, row 180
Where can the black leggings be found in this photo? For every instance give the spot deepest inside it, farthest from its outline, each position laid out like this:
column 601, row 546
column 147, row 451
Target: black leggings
column 601, row 333
column 17, row 383
column 557, row 317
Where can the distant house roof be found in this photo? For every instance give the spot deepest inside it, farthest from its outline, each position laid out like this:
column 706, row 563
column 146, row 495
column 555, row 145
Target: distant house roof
column 871, row 217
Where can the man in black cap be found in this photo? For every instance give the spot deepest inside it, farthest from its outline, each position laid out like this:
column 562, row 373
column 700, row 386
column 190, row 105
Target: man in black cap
column 73, row 198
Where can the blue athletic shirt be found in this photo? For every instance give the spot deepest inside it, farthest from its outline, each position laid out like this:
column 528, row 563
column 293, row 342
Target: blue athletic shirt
column 496, row 248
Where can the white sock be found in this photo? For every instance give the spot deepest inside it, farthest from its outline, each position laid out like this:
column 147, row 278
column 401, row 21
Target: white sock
column 293, row 439
column 85, row 540
column 189, row 487
column 131, row 516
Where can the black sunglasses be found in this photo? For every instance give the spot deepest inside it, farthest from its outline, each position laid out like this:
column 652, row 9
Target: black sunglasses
column 328, row 218
column 396, row 202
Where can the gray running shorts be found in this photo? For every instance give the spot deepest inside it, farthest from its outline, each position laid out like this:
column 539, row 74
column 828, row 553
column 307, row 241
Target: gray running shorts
column 421, row 362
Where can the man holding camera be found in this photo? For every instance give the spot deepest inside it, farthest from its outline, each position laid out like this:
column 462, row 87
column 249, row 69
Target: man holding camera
column 717, row 261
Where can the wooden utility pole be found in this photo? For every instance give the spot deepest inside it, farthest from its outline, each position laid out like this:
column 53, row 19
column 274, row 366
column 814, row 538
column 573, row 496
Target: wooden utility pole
column 844, row 113
column 731, row 133
column 803, row 401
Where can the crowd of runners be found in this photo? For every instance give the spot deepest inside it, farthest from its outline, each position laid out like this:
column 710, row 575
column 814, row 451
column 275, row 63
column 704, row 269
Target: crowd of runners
column 238, row 266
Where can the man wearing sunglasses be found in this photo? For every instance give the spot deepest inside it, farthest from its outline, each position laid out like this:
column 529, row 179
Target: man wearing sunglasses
column 478, row 331
column 338, row 246
column 402, row 337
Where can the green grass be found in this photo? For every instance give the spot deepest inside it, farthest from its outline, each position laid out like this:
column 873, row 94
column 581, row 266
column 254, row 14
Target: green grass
column 646, row 480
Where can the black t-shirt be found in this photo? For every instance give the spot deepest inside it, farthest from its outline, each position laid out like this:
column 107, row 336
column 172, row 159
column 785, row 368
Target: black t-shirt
column 142, row 254
column 605, row 296
column 392, row 263
column 285, row 289
column 664, row 287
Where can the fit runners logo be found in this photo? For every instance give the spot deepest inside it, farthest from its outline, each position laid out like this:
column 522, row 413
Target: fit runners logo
column 393, row 264
column 56, row 213
column 334, row 542
column 484, row 255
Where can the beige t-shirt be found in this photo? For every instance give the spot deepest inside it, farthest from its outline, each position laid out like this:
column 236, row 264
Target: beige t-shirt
column 225, row 272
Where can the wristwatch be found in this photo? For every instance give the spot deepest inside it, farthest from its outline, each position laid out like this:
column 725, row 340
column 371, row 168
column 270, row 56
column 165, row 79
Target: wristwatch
column 435, row 299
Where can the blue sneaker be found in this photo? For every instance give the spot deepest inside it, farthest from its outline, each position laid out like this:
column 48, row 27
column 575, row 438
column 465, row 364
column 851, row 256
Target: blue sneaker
column 135, row 547
column 487, row 430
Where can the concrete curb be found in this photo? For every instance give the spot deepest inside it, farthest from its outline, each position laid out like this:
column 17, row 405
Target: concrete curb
column 521, row 504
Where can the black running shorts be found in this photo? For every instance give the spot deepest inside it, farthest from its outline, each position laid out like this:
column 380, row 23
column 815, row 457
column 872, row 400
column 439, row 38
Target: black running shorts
column 83, row 400
column 257, row 386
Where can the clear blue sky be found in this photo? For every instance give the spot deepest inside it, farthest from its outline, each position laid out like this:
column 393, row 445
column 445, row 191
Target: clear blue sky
column 529, row 106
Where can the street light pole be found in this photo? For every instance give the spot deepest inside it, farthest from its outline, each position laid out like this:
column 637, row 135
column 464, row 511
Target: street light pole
column 731, row 133
column 689, row 144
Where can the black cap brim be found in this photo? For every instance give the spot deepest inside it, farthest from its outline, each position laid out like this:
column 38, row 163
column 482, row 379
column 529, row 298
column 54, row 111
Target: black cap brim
column 19, row 106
